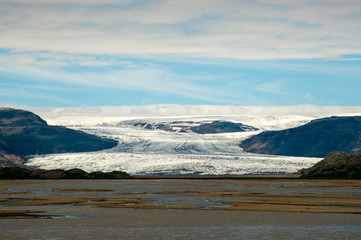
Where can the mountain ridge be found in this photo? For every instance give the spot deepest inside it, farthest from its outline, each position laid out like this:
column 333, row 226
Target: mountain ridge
column 314, row 139
column 24, row 133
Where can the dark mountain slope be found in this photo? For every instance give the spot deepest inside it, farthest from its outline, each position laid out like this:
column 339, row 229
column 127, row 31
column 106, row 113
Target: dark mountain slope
column 315, row 139
column 24, row 133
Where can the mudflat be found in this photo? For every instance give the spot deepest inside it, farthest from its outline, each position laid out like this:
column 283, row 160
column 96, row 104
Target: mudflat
column 180, row 209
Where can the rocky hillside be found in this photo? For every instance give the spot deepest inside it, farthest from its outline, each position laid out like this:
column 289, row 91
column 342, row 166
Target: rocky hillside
column 336, row 165
column 315, row 139
column 23, row 133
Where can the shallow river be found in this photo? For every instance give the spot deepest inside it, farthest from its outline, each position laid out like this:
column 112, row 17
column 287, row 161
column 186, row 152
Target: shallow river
column 180, row 209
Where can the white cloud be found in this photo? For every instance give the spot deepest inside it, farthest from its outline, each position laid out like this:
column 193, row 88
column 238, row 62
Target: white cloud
column 308, row 96
column 240, row 29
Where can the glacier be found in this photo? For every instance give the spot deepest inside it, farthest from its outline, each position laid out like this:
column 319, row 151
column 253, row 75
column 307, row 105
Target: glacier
column 156, row 152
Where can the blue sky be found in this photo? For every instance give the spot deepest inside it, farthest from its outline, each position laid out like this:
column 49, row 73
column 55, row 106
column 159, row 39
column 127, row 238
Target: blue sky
column 131, row 52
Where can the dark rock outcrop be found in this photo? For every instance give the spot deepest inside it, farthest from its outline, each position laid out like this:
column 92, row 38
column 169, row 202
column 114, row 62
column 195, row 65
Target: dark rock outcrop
column 336, row 165
column 222, row 127
column 197, row 127
column 23, row 173
column 23, row 133
column 315, row 139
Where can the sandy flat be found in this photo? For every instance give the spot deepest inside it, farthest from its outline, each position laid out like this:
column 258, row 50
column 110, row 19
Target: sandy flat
column 179, row 208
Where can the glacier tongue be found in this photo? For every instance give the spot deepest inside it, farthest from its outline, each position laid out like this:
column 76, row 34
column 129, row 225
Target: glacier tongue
column 158, row 152
column 160, row 164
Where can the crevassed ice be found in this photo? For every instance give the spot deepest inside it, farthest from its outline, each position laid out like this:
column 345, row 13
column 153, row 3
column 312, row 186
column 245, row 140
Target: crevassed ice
column 159, row 152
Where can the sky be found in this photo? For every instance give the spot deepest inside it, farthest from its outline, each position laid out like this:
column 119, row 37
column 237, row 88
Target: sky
column 72, row 53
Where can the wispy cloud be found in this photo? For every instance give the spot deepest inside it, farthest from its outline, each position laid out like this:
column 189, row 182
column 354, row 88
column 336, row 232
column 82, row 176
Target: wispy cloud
column 207, row 51
column 274, row 87
column 56, row 59
column 155, row 80
column 238, row 29
column 23, row 92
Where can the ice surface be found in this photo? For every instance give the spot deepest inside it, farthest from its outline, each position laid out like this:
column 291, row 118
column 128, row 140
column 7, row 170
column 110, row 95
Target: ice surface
column 142, row 151
column 150, row 152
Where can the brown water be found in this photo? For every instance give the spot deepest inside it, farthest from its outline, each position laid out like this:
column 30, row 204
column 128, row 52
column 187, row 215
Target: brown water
column 202, row 215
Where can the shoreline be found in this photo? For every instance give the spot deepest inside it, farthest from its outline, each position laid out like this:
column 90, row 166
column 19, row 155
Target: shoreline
column 265, row 177
column 220, row 177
